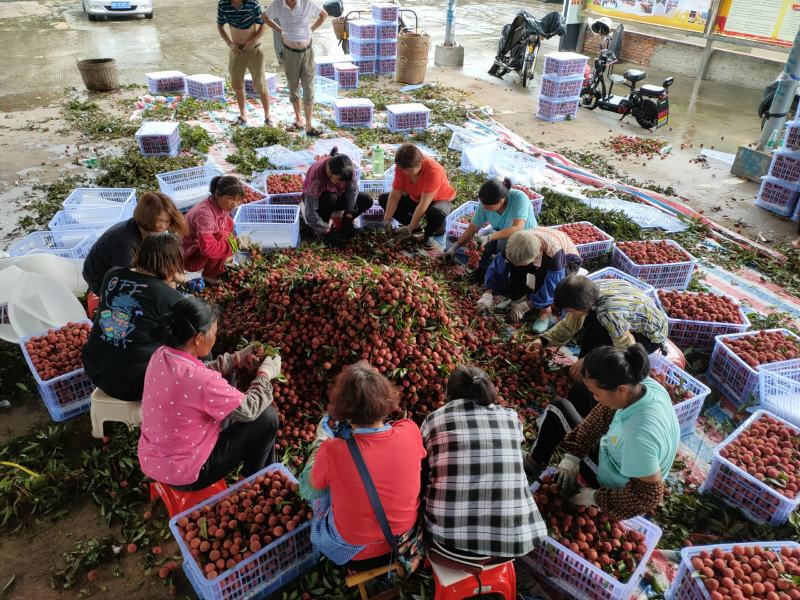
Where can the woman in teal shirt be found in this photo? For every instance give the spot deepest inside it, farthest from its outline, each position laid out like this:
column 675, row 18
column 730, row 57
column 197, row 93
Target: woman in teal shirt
column 625, row 447
column 506, row 210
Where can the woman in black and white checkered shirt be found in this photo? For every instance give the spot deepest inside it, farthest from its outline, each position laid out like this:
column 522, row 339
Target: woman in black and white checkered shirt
column 478, row 502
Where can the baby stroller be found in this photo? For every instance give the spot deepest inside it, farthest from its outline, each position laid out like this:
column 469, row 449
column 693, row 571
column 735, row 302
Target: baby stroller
column 520, row 42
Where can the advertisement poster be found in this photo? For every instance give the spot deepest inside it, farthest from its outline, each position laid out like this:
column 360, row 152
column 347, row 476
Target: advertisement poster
column 689, row 15
column 770, row 21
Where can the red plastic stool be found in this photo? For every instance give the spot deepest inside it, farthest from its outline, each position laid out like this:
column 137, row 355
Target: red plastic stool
column 92, row 302
column 178, row 501
column 497, row 582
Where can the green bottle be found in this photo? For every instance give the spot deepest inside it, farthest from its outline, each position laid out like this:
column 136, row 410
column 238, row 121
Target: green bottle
column 378, row 166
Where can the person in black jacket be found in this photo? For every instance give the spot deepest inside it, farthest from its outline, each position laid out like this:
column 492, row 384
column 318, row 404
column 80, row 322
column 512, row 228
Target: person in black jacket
column 128, row 324
column 155, row 212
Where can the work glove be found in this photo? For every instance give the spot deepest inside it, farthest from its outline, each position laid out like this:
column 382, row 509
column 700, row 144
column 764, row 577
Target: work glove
column 485, row 301
column 240, row 356
column 403, row 232
column 270, row 367
column 567, row 474
column 348, row 229
column 518, row 310
column 323, row 429
column 450, row 255
column 388, row 229
column 585, row 497
column 482, row 240
column 233, row 244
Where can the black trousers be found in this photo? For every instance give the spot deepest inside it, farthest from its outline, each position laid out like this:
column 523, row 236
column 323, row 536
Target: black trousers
column 249, row 444
column 489, row 251
column 434, row 217
column 329, row 203
column 595, row 336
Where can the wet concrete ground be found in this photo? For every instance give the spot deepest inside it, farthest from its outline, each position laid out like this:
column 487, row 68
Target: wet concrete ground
column 41, row 51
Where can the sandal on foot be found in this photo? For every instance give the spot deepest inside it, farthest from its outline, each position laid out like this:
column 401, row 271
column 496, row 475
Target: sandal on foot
column 268, row 122
column 295, row 127
column 240, row 122
column 314, row 132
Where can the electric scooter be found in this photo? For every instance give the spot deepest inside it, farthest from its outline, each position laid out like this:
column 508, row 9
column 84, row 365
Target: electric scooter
column 649, row 104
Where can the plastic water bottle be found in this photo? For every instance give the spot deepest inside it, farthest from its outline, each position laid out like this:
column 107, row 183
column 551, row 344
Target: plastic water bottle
column 378, row 166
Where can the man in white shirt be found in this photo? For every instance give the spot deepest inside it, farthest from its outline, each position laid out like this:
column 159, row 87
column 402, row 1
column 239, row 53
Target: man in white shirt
column 296, row 30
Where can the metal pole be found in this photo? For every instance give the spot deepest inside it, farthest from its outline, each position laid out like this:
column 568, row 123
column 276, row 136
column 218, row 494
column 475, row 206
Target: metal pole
column 450, row 31
column 784, row 95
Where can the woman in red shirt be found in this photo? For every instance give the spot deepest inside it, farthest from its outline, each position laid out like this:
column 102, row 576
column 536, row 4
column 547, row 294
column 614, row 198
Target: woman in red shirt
column 420, row 189
column 210, row 242
column 348, row 531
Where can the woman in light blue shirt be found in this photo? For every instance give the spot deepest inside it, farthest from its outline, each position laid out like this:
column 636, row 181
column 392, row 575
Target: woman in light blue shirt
column 503, row 208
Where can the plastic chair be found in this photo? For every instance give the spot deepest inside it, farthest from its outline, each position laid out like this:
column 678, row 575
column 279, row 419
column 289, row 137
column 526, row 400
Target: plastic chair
column 105, row 408
column 360, row 578
column 455, row 580
column 178, row 501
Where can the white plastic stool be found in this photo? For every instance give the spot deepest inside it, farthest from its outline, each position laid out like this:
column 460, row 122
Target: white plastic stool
column 105, row 408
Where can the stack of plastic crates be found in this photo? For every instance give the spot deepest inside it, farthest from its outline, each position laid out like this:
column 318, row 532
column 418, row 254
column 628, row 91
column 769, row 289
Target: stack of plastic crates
column 268, row 225
column 325, row 63
column 758, row 500
column 735, row 379
column 260, row 574
column 779, row 389
column 363, row 44
column 270, row 81
column 612, row 273
column 346, row 75
column 412, row 116
column 672, row 276
column 187, row 187
column 205, row 87
column 353, row 112
column 386, row 17
column 780, row 189
column 559, row 95
column 64, row 396
column 159, row 138
column 276, row 196
column 90, row 218
column 592, row 250
column 70, row 243
column 166, row 82
column 701, row 335
column 688, row 410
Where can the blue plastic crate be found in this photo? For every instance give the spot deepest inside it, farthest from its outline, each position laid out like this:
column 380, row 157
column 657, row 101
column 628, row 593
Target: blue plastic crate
column 353, row 112
column 159, row 138
column 759, row 501
column 386, row 66
column 387, row 49
column 553, row 110
column 268, row 225
column 557, row 88
column 386, row 31
column 362, row 29
column 779, row 389
column 100, row 197
column 673, row 276
column 346, row 76
column 688, row 410
column 90, row 218
column 262, row 573
column 206, row 87
column 386, row 12
column 366, row 66
column 65, row 396
column 187, row 187
column 362, row 49
column 612, row 273
column 778, row 196
column 64, row 243
column 164, row 82
column 412, row 116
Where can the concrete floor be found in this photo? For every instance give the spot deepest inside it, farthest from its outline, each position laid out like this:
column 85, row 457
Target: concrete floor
column 42, row 40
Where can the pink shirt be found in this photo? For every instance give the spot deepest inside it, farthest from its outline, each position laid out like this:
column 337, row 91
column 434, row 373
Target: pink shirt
column 209, row 229
column 183, row 406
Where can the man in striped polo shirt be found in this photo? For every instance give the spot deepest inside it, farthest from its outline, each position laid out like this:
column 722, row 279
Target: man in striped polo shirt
column 246, row 29
column 296, row 28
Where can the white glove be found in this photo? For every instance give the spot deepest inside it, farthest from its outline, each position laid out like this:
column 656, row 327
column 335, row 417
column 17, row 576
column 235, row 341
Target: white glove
column 323, row 430
column 403, row 232
column 530, row 281
column 585, row 497
column 387, row 228
column 567, row 475
column 270, row 366
column 481, row 240
column 485, row 301
column 518, row 310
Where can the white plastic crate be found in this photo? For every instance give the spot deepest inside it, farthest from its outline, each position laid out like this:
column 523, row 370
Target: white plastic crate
column 387, row 49
column 735, row 379
column 282, row 157
column 564, row 64
column 261, row 574
column 268, row 225
column 791, row 140
column 64, row 243
column 187, row 187
column 537, row 200
column 759, row 501
column 89, row 218
column 270, row 80
column 164, row 82
column 363, row 49
column 612, row 273
column 779, row 389
column 159, row 138
column 688, row 410
column 326, row 90
column 386, row 66
column 353, row 112
column 100, row 197
column 374, row 186
column 778, row 196
column 592, row 249
column 385, row 11
column 556, row 87
column 700, row 335
column 455, row 228
column 785, row 166
column 346, row 75
column 261, row 182
column 362, row 29
column 342, row 145
column 688, row 585
column 386, row 32
column 325, row 63
column 408, row 117
column 372, row 218
column 206, row 87
column 673, row 276
column 366, row 66
column 553, row 110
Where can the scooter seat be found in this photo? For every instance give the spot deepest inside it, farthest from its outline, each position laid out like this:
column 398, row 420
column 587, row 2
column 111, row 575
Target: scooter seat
column 634, row 75
column 652, row 91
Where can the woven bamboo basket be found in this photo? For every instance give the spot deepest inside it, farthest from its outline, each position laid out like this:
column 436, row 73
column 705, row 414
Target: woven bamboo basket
column 412, row 56
column 99, row 74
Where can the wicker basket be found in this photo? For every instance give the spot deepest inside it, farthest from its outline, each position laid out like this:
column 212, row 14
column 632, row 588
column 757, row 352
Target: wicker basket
column 99, row 74
column 338, row 27
column 412, row 56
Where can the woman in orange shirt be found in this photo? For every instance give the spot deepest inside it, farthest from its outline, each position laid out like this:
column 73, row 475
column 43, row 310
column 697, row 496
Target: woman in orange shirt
column 420, row 189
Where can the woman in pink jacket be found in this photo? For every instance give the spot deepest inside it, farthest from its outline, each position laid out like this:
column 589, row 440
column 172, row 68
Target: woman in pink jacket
column 211, row 242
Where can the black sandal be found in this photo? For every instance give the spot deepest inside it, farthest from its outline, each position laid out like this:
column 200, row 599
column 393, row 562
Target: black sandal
column 313, row 132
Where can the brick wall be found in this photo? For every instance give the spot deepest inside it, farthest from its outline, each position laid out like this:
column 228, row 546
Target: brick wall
column 637, row 48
